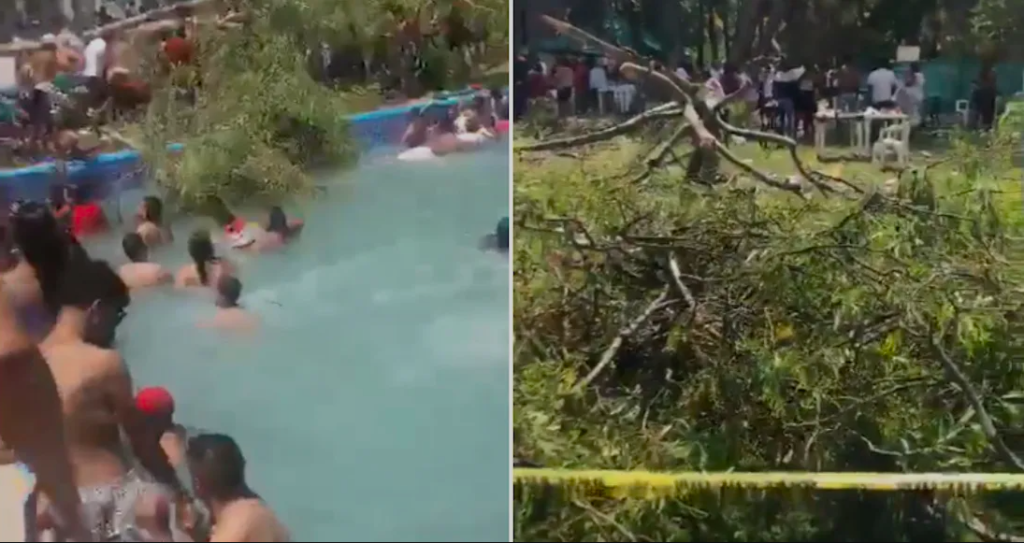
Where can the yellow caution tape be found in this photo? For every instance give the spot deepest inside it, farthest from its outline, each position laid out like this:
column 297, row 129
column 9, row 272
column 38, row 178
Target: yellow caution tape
column 650, row 485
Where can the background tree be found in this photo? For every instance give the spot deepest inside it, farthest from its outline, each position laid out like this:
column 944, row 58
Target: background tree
column 260, row 122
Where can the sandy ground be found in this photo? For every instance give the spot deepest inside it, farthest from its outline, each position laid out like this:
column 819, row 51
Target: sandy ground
column 14, row 488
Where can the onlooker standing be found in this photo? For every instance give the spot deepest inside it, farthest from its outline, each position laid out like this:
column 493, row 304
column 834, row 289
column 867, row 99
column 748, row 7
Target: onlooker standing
column 598, row 83
column 882, row 84
column 683, row 70
column 564, row 78
column 95, row 67
column 581, row 84
column 983, row 99
column 848, row 87
column 520, row 87
column 911, row 96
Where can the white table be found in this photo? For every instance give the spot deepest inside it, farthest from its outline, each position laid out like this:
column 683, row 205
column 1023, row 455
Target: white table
column 861, row 124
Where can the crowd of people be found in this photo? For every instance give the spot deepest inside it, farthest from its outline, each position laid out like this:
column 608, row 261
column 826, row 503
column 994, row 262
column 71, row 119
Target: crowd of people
column 786, row 94
column 112, row 464
column 68, row 86
column 464, row 128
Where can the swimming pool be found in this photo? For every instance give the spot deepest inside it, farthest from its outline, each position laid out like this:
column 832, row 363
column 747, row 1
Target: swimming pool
column 375, row 406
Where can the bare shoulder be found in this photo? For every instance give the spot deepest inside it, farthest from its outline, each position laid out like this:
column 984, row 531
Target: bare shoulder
column 186, row 276
column 107, row 360
column 250, row 520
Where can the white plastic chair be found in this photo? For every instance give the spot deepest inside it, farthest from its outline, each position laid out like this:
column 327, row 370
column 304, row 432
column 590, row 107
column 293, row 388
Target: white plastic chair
column 623, row 95
column 895, row 137
column 963, row 108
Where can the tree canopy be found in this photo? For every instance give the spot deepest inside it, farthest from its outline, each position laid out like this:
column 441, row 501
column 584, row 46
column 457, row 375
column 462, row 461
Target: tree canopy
column 744, row 29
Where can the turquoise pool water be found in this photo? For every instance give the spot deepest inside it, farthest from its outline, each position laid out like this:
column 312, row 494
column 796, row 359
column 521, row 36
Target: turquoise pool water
column 375, row 405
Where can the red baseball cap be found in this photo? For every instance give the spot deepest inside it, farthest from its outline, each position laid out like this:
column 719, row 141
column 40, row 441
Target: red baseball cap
column 155, row 401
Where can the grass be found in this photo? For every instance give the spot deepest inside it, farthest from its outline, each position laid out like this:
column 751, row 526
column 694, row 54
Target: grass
column 770, row 371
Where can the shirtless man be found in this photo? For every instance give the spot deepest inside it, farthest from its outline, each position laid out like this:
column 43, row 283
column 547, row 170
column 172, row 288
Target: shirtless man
column 218, row 476
column 119, row 502
column 140, row 273
column 230, row 315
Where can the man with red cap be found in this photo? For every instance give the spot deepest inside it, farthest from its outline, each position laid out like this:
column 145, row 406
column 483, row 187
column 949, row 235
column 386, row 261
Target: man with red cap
column 157, row 405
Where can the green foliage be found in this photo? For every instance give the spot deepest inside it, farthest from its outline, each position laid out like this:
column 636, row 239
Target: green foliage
column 260, row 123
column 815, row 341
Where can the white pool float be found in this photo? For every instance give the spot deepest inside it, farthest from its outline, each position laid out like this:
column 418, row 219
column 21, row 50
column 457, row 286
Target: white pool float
column 475, row 138
column 416, row 154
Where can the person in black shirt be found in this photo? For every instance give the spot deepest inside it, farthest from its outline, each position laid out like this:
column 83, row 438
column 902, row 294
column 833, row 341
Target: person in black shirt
column 520, row 89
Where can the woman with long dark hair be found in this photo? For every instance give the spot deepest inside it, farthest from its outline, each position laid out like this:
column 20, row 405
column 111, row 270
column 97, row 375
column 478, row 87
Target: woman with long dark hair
column 278, row 231
column 41, row 249
column 206, row 267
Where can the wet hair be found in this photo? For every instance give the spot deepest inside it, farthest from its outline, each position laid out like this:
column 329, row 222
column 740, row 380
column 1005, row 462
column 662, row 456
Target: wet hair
column 229, row 288
column 93, row 286
column 218, row 463
column 200, row 248
column 277, row 221
column 153, row 210
column 45, row 246
column 134, row 247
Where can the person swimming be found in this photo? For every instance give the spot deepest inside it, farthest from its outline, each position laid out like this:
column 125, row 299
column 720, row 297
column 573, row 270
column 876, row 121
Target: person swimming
column 442, row 140
column 239, row 513
column 278, row 231
column 206, row 268
column 239, row 234
column 230, row 314
column 499, row 240
column 151, row 222
column 139, row 272
column 416, row 133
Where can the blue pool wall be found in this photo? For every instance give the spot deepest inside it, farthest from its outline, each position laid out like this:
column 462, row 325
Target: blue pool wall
column 110, row 173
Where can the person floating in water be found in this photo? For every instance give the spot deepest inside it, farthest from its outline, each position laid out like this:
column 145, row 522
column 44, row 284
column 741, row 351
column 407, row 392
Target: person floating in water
column 230, row 314
column 278, row 231
column 206, row 268
column 140, row 273
column 218, row 473
column 498, row 241
column 151, row 222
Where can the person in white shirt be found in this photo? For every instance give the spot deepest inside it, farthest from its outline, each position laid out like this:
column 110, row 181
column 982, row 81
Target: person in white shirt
column 598, row 83
column 95, row 67
column 682, row 73
column 882, row 85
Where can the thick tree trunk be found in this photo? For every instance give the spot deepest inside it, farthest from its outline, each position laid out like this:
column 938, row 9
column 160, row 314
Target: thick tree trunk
column 742, row 47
